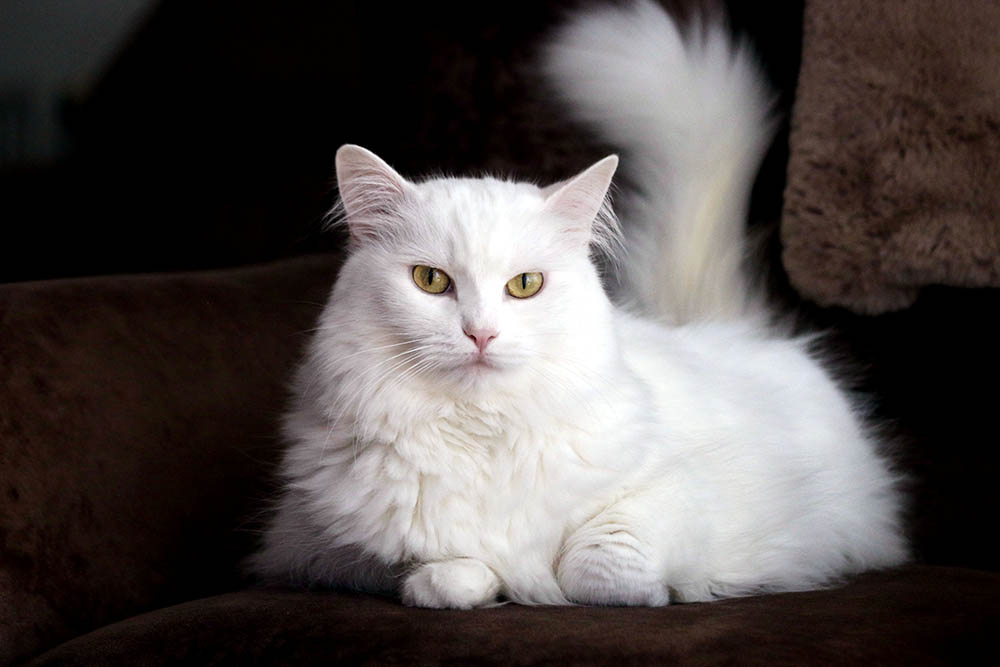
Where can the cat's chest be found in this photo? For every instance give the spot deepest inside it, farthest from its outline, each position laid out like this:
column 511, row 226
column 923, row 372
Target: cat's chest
column 475, row 483
column 462, row 438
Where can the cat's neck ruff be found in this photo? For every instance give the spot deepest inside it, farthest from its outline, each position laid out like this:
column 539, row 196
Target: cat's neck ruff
column 490, row 404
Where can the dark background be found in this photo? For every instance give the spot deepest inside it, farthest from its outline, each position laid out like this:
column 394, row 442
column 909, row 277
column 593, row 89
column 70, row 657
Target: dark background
column 209, row 139
column 209, row 142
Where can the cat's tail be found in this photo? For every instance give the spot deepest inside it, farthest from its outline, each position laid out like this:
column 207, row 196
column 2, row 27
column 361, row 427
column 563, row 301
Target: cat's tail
column 691, row 112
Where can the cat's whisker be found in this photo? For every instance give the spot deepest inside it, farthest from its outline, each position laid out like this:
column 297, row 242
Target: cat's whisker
column 577, row 397
column 420, row 367
column 603, row 387
column 379, row 372
column 366, row 350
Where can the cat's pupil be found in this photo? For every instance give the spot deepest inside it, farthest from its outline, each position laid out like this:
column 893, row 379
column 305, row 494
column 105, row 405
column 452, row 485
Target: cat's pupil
column 431, row 273
column 524, row 281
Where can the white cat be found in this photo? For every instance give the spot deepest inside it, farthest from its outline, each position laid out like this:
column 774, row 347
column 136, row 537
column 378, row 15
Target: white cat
column 476, row 420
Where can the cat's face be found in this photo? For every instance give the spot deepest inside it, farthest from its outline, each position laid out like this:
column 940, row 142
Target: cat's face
column 471, row 279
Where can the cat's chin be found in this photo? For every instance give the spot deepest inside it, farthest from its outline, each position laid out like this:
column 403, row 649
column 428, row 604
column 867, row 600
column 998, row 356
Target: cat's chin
column 479, row 369
column 482, row 363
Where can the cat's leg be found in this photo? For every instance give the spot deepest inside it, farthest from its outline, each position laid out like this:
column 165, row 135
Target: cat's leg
column 611, row 560
column 458, row 583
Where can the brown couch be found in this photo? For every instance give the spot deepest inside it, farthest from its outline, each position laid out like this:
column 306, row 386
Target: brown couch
column 138, row 411
column 136, row 436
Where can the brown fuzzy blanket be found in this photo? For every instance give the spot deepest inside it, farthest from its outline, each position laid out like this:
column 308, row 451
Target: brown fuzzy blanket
column 894, row 176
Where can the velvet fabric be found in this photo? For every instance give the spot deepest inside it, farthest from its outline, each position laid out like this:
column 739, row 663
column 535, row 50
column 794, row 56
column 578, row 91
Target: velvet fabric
column 893, row 176
column 137, row 437
column 881, row 618
column 137, row 430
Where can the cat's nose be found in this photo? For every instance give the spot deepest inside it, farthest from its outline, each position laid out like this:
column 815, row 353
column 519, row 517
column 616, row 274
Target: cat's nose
column 481, row 337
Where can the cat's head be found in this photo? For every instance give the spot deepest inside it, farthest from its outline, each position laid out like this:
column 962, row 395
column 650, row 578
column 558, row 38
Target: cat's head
column 469, row 280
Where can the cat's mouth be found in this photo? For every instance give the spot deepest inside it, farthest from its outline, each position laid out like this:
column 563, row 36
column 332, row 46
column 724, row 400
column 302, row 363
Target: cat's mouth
column 481, row 363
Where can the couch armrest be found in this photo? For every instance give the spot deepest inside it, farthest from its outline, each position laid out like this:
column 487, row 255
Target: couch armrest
column 137, row 427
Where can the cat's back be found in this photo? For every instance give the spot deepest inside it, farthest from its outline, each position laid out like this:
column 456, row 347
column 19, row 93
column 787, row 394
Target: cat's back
column 756, row 428
column 736, row 382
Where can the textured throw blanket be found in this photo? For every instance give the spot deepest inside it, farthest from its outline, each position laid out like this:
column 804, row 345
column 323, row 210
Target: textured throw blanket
column 894, row 176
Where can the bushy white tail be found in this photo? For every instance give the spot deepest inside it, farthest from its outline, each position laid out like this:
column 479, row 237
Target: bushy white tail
column 691, row 113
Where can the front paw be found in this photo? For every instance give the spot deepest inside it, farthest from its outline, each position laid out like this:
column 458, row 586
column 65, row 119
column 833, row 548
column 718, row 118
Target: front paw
column 605, row 564
column 459, row 583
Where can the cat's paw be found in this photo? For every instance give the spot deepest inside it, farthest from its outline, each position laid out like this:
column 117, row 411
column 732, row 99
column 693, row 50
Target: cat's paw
column 459, row 583
column 605, row 564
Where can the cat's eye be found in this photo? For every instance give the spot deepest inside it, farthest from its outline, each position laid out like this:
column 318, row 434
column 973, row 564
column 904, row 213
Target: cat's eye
column 430, row 279
column 524, row 285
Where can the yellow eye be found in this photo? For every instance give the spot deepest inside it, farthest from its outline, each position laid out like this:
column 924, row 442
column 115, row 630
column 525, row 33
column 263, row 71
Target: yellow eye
column 430, row 279
column 524, row 285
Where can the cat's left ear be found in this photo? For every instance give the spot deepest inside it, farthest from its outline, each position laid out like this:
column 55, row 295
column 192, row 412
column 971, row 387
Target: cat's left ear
column 579, row 200
column 374, row 196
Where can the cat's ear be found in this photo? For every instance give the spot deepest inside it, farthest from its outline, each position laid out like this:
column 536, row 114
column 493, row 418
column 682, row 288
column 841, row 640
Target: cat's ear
column 579, row 199
column 372, row 193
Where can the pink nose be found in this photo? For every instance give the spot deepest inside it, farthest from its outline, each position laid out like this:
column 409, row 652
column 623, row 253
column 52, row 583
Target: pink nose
column 481, row 337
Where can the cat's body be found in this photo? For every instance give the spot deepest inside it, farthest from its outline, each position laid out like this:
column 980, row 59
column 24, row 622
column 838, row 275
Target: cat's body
column 466, row 444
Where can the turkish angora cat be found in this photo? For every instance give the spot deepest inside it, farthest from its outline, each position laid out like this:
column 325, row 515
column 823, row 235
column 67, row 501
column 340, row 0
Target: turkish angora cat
column 475, row 418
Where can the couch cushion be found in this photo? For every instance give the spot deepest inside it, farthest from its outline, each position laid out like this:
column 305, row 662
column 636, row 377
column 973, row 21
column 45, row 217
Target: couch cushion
column 892, row 176
column 916, row 615
column 137, row 424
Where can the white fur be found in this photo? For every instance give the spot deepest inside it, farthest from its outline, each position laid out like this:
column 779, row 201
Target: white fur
column 691, row 114
column 591, row 455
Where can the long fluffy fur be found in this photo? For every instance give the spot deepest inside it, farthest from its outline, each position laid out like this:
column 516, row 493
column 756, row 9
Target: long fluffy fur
column 691, row 112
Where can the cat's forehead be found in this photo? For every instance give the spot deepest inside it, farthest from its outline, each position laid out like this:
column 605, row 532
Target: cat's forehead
column 486, row 220
column 484, row 205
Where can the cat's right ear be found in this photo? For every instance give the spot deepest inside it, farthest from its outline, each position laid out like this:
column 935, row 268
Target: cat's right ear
column 373, row 195
column 580, row 200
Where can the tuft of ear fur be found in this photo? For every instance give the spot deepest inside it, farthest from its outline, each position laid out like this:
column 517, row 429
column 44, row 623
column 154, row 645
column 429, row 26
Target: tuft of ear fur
column 582, row 203
column 372, row 194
